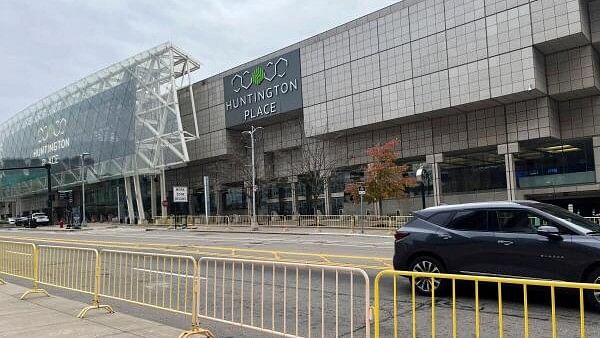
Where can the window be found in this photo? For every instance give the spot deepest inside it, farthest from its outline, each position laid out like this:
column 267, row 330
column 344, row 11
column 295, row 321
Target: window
column 518, row 221
column 469, row 220
column 441, row 218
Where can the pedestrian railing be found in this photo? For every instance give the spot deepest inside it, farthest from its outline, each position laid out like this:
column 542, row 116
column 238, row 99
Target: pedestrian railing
column 420, row 316
column 285, row 299
column 18, row 260
column 351, row 222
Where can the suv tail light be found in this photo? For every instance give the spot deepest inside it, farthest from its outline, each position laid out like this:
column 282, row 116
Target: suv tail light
column 400, row 235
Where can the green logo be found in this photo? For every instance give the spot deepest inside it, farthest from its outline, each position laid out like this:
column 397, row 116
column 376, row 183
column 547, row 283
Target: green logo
column 258, row 75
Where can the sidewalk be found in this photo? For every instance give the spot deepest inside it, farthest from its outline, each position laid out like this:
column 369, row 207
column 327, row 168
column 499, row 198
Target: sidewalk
column 57, row 317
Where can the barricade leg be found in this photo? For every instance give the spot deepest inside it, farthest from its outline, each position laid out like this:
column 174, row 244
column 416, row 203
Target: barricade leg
column 36, row 273
column 196, row 329
column 96, row 301
column 2, row 282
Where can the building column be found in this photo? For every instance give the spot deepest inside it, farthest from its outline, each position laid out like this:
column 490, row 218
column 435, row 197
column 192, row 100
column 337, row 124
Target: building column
column 293, row 183
column 153, row 196
column 163, row 194
column 596, row 149
column 138, row 199
column 130, row 213
column 218, row 199
column 434, row 160
column 327, row 197
column 508, row 150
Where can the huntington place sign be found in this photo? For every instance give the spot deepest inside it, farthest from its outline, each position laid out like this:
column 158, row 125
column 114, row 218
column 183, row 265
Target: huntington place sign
column 269, row 88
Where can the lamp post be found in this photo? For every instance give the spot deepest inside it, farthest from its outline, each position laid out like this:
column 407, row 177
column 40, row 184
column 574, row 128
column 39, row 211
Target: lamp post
column 251, row 133
column 82, row 156
column 421, row 177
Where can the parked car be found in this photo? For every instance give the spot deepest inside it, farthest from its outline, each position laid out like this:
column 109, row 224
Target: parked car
column 510, row 239
column 21, row 220
column 40, row 218
column 12, row 220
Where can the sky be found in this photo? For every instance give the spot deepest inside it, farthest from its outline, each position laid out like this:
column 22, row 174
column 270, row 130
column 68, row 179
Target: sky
column 49, row 44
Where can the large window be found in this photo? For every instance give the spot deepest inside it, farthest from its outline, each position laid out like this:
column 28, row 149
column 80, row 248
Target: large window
column 553, row 164
column 473, row 172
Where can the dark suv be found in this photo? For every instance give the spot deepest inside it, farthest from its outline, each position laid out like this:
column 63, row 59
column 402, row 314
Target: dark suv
column 513, row 239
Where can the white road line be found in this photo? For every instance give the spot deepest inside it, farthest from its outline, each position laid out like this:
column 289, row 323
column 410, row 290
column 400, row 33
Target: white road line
column 18, row 253
column 165, row 273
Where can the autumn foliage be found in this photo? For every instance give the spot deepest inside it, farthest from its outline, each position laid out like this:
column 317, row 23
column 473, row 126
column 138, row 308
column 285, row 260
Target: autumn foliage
column 384, row 178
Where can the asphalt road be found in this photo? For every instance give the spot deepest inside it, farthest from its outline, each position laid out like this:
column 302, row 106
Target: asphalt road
column 257, row 296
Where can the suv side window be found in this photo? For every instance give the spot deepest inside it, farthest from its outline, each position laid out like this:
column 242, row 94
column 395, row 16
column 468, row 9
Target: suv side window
column 469, row 220
column 519, row 221
column 441, row 218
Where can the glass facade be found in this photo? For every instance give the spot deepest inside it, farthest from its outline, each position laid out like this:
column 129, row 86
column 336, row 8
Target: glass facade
column 476, row 171
column 546, row 164
column 125, row 116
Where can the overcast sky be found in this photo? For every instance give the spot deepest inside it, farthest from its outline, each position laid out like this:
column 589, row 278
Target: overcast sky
column 48, row 44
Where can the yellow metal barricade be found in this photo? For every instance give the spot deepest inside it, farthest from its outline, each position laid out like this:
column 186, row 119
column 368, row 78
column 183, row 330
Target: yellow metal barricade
column 165, row 282
column 16, row 259
column 416, row 316
column 285, row 299
column 71, row 268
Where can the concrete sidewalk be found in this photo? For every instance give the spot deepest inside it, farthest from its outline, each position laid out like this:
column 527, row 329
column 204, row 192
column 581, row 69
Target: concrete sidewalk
column 56, row 317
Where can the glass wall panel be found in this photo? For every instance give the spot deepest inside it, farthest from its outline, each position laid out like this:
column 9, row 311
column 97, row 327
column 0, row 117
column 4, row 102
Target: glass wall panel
column 543, row 164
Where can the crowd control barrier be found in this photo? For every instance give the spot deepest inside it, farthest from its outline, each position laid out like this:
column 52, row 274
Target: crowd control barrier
column 71, row 268
column 164, row 282
column 19, row 260
column 350, row 222
column 285, row 299
column 420, row 314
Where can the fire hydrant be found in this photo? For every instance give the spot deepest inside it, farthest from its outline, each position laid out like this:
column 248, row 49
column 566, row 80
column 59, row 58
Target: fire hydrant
column 61, row 223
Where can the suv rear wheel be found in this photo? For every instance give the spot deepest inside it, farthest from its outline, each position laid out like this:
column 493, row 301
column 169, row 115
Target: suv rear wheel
column 425, row 285
column 592, row 297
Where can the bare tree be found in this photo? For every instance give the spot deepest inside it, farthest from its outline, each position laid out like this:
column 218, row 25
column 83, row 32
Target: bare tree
column 314, row 167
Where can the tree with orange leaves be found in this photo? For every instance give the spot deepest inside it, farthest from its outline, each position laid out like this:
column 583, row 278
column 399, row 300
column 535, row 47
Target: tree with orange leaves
column 384, row 178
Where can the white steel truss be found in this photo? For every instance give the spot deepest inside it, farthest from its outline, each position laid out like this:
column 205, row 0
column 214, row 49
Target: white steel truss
column 159, row 138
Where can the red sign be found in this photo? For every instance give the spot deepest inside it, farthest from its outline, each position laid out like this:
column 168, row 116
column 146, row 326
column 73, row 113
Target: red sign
column 165, row 203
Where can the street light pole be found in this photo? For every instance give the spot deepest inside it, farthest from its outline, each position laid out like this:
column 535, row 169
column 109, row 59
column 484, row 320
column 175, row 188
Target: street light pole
column 119, row 204
column 251, row 133
column 83, row 221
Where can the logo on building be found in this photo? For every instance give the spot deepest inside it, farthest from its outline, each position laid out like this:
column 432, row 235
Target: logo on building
column 269, row 72
column 262, row 90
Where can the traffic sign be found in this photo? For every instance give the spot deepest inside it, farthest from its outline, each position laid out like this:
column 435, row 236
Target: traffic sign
column 362, row 190
column 165, row 203
column 180, row 194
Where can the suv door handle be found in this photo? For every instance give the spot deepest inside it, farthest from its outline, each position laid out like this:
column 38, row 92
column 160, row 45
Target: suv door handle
column 444, row 236
column 503, row 242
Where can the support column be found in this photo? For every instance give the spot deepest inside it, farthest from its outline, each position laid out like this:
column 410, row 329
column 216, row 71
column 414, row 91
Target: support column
column 219, row 201
column 153, row 196
column 293, row 183
column 508, row 150
column 596, row 149
column 163, row 194
column 327, row 197
column 138, row 199
column 435, row 160
column 130, row 213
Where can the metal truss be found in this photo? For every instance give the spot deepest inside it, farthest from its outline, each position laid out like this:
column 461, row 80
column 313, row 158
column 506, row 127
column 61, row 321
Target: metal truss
column 160, row 140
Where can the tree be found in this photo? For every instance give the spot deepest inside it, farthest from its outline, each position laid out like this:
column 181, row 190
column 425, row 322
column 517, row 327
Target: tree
column 314, row 166
column 384, row 178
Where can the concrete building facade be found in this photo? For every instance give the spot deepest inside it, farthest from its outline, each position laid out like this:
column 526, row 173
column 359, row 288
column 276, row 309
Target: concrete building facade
column 497, row 98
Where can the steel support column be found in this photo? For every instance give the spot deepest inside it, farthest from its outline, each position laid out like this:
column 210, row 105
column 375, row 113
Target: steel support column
column 130, row 212
column 139, row 202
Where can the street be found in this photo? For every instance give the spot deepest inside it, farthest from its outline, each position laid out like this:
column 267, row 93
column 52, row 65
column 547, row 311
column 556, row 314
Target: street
column 222, row 285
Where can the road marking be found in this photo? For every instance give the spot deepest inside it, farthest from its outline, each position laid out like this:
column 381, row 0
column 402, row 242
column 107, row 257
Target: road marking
column 365, row 262
column 165, row 273
column 18, row 253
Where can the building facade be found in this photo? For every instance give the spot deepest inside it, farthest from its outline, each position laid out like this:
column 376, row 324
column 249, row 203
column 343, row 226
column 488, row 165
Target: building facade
column 496, row 99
